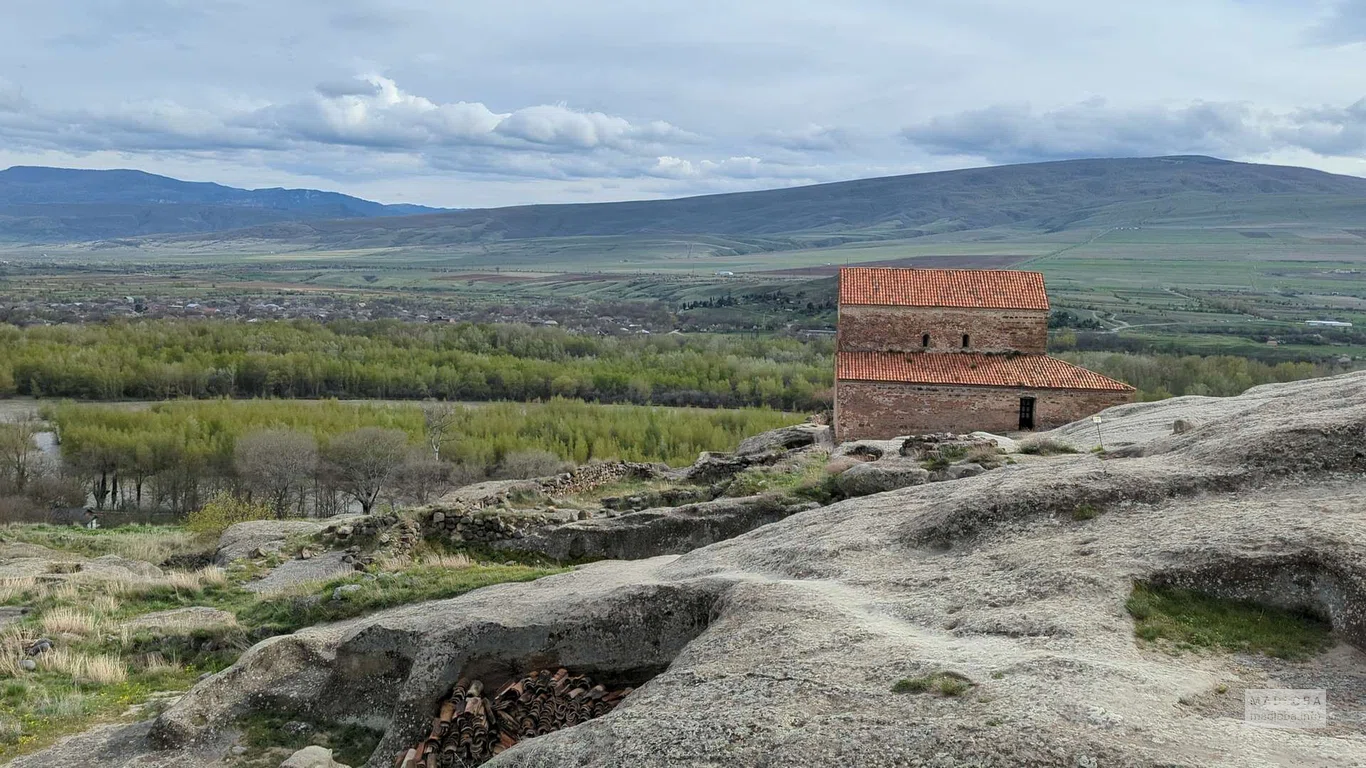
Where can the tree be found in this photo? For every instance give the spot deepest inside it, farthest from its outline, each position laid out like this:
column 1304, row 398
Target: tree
column 363, row 462
column 421, row 478
column 277, row 463
column 18, row 454
column 439, row 420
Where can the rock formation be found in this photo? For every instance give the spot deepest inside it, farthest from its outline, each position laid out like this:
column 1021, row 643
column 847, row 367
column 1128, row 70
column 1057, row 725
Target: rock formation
column 782, row 646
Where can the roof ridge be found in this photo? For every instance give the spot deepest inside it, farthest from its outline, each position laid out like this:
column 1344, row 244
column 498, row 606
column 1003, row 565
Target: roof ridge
column 939, row 287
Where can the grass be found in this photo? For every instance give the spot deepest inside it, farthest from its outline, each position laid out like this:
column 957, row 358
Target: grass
column 68, row 620
column 286, row 613
column 100, row 666
column 151, row 543
column 1179, row 619
column 1085, row 512
column 350, row 744
column 942, row 683
column 809, row 479
column 989, row 456
column 1045, row 446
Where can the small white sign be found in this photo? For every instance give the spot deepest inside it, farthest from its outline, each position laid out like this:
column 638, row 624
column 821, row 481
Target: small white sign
column 1286, row 707
column 1095, row 420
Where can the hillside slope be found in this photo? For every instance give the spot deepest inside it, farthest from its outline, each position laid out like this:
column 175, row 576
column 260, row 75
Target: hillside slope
column 1033, row 197
column 64, row 204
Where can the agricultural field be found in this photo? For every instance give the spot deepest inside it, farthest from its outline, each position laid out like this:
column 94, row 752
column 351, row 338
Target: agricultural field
column 1203, row 290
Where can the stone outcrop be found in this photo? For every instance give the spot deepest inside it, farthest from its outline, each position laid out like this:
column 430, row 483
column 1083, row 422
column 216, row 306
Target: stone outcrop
column 312, row 757
column 786, row 439
column 260, row 537
column 654, row 532
column 782, row 647
column 880, row 476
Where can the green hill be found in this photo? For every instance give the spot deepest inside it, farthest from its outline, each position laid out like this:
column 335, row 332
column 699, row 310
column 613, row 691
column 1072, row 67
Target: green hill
column 1038, row 197
column 65, row 204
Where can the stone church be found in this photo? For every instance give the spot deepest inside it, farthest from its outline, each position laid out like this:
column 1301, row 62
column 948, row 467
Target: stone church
column 954, row 350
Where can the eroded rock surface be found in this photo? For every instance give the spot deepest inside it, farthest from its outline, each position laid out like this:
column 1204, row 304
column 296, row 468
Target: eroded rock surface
column 880, row 476
column 781, row 647
column 252, row 539
column 654, row 532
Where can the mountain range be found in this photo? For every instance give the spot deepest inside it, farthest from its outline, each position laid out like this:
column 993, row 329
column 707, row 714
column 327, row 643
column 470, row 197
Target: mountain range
column 65, row 204
column 40, row 204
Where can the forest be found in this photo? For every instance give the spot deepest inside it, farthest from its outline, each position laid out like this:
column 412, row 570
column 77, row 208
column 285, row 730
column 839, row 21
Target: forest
column 1158, row 377
column 323, row 456
column 166, row 359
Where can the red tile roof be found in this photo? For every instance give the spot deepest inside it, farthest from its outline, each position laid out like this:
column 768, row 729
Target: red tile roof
column 972, row 288
column 970, row 369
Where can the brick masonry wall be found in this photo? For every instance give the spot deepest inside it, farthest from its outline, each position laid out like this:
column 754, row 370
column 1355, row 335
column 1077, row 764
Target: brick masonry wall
column 878, row 410
column 900, row 329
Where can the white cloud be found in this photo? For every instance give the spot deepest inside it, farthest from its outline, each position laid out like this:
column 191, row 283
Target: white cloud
column 1096, row 128
column 479, row 103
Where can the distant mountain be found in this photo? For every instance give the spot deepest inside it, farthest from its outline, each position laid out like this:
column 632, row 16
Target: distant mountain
column 65, row 204
column 1038, row 197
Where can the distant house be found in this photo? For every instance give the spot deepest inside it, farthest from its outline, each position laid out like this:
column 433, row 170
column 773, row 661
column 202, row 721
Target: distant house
column 953, row 350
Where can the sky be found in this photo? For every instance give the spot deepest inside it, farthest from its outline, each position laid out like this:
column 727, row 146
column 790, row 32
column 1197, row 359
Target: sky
column 469, row 103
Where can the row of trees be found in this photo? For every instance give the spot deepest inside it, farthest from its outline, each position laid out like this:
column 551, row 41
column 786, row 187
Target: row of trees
column 1158, row 377
column 167, row 359
column 323, row 456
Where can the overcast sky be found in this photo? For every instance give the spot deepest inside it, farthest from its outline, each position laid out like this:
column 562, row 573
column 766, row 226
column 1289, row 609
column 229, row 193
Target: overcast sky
column 474, row 103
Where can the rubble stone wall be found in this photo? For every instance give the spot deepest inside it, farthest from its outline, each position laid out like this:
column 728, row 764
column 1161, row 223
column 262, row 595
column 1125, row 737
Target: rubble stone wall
column 867, row 410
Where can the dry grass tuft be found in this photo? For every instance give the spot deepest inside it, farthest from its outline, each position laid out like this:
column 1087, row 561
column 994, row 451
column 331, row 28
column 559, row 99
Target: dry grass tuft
column 155, row 663
column 98, row 670
column 212, row 576
column 453, row 562
column 839, row 464
column 14, row 590
column 65, row 619
column 986, row 455
column 12, row 647
column 182, row 581
column 103, row 605
column 66, row 592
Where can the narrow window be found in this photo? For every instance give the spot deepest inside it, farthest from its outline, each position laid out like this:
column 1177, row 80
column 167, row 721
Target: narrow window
column 925, row 340
column 965, row 341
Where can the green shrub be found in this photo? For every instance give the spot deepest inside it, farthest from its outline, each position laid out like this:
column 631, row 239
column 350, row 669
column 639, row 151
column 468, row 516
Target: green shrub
column 943, row 683
column 1045, row 446
column 224, row 510
column 1085, row 512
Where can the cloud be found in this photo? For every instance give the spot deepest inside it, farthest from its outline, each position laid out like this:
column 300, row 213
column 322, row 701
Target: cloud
column 1095, row 128
column 1328, row 131
column 335, row 89
column 1344, row 24
column 371, row 112
column 811, row 138
column 11, row 97
column 346, row 129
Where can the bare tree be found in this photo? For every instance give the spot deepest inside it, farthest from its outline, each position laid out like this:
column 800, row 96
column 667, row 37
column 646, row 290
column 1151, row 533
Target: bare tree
column 19, row 454
column 277, row 463
column 439, row 419
column 421, row 479
column 363, row 462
